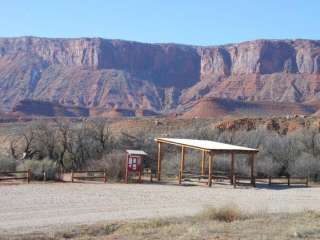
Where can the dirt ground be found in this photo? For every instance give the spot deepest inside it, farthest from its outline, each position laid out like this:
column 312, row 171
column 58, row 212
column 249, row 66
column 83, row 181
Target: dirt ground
column 38, row 206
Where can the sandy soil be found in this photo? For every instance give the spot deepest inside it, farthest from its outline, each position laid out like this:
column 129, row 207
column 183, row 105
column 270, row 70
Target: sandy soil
column 33, row 207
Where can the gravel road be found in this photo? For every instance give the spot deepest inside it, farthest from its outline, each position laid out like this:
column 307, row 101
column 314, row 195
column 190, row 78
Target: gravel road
column 36, row 206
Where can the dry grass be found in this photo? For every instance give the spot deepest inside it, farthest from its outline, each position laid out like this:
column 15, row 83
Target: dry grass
column 228, row 213
column 224, row 223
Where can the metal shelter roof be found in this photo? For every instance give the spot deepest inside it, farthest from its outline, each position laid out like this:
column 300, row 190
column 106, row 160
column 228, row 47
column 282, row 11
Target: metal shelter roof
column 205, row 145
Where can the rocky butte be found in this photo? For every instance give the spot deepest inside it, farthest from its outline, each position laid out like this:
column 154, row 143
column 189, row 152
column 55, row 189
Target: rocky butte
column 123, row 78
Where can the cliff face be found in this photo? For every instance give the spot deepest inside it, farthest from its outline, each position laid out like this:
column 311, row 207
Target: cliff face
column 167, row 65
column 262, row 70
column 263, row 57
column 113, row 74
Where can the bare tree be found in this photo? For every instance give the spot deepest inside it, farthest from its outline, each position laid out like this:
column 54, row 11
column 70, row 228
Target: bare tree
column 284, row 151
column 13, row 147
column 310, row 138
column 228, row 136
column 81, row 145
column 102, row 135
column 63, row 139
column 47, row 137
column 24, row 144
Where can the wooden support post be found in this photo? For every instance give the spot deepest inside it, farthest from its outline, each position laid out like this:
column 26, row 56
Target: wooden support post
column 210, row 170
column 140, row 175
column 126, row 177
column 179, row 176
column 105, row 176
column 181, row 165
column 270, row 179
column 253, row 180
column 183, row 151
column 159, row 161
column 232, row 168
column 71, row 175
column 28, row 175
column 288, row 180
column 203, row 159
column 234, row 180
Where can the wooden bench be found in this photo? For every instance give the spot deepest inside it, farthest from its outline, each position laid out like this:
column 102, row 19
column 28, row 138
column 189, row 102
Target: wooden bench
column 220, row 176
column 188, row 176
column 88, row 175
column 238, row 179
column 149, row 172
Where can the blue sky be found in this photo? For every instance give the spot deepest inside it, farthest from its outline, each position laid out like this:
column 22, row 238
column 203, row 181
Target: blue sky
column 197, row 22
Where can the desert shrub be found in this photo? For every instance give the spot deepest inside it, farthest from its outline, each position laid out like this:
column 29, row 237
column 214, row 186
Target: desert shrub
column 38, row 167
column 228, row 213
column 7, row 163
column 197, row 132
column 170, row 163
column 113, row 162
column 305, row 165
column 222, row 162
column 265, row 166
column 171, row 156
column 242, row 164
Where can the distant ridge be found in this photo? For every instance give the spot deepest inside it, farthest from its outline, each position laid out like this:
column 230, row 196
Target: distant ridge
column 90, row 76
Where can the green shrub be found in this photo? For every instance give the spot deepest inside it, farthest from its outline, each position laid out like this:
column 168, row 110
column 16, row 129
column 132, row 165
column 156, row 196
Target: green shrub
column 38, row 167
column 7, row 164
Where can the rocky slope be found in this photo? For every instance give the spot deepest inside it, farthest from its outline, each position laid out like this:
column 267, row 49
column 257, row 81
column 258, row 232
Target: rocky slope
column 221, row 107
column 48, row 109
column 118, row 76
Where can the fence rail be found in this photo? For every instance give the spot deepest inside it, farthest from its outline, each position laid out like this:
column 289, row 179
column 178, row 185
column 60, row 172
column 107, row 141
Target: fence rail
column 236, row 180
column 75, row 176
column 4, row 176
column 289, row 180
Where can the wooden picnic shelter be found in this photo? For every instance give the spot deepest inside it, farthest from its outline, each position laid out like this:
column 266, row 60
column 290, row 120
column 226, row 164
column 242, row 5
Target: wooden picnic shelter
column 210, row 149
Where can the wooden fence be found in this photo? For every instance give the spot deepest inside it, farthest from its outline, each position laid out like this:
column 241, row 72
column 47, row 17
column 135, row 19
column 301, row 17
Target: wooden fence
column 288, row 180
column 14, row 175
column 238, row 179
column 89, row 175
column 283, row 180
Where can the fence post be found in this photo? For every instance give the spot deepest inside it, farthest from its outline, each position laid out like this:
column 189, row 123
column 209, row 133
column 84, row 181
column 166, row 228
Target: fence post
column 270, row 179
column 234, row 180
column 210, row 169
column 44, row 176
column 288, row 180
column 105, row 175
column 71, row 175
column 28, row 175
column 139, row 176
